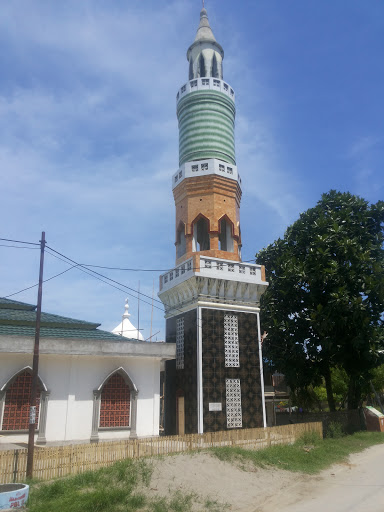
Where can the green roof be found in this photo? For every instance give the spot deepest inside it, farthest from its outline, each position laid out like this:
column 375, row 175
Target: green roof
column 19, row 319
column 23, row 317
column 14, row 304
column 55, row 332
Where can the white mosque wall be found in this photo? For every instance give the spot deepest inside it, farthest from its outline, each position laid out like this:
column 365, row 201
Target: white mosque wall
column 71, row 379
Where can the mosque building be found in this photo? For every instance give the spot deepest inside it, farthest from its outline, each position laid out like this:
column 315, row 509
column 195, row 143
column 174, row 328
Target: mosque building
column 211, row 297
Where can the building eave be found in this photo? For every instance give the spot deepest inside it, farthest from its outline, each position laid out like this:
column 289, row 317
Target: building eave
column 87, row 347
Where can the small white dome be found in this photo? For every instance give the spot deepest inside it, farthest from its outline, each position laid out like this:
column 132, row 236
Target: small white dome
column 126, row 328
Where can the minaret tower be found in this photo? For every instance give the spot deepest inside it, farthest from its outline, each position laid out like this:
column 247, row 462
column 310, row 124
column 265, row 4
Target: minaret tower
column 211, row 298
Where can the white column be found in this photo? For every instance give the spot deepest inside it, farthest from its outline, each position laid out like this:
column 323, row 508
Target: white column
column 261, row 370
column 200, row 427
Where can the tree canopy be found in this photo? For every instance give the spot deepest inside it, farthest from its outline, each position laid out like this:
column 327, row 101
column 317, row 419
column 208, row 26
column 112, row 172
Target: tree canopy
column 323, row 308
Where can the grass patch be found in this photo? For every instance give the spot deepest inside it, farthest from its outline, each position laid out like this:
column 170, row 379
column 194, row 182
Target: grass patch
column 308, row 455
column 109, row 489
column 118, row 488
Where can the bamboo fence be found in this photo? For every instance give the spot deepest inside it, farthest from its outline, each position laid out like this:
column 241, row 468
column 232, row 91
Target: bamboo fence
column 58, row 461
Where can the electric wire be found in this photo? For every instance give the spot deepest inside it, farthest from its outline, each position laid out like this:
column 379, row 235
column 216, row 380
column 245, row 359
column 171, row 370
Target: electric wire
column 105, row 277
column 95, row 274
column 37, row 284
column 92, row 274
column 18, row 241
column 20, row 247
column 152, row 269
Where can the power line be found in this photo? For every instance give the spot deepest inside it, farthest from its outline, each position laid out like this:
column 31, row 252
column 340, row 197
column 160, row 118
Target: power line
column 129, row 269
column 105, row 277
column 19, row 241
column 19, row 247
column 92, row 274
column 37, row 284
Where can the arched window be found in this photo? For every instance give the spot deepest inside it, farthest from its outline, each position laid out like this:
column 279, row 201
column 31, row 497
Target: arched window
column 191, row 69
column 215, row 70
column 181, row 241
column 225, row 236
column 16, row 402
column 202, row 66
column 201, row 240
column 115, row 406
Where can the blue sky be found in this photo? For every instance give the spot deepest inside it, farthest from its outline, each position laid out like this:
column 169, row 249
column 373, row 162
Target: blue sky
column 89, row 138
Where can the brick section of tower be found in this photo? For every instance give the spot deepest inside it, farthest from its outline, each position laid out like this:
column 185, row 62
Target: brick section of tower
column 213, row 197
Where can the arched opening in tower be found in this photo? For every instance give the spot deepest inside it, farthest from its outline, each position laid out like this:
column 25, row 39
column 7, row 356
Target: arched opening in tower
column 190, row 69
column 215, row 69
column 201, row 235
column 202, row 66
column 225, row 236
column 180, row 241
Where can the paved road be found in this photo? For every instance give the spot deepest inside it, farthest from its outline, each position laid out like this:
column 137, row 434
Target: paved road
column 354, row 487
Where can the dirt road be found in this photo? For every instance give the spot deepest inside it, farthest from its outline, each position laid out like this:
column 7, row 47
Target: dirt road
column 354, row 487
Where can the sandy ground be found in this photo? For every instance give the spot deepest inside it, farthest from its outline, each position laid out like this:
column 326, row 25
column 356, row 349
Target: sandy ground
column 356, row 485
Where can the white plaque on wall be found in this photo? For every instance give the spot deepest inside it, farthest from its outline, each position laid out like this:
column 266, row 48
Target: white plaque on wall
column 215, row 406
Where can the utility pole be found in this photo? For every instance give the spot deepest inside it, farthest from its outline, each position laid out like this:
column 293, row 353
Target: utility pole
column 35, row 366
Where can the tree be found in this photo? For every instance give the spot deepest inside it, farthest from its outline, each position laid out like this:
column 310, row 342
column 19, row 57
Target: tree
column 324, row 304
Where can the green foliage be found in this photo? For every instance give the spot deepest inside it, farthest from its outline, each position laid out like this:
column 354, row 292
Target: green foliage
column 323, row 308
column 378, row 378
column 335, row 430
column 302, row 456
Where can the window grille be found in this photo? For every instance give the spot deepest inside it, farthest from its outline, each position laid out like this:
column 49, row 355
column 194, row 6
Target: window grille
column 231, row 267
column 189, row 265
column 184, row 88
column 205, row 81
column 220, row 266
column 166, row 278
column 171, row 276
column 208, row 264
column 229, row 170
column 232, row 92
column 177, row 272
column 241, row 269
column 225, row 87
column 176, row 178
column 221, row 168
column 194, row 83
column 216, row 83
column 195, row 168
column 233, row 403
column 204, row 167
column 183, row 269
column 16, row 406
column 115, row 403
column 180, row 344
column 231, row 341
column 253, row 271
column 180, row 174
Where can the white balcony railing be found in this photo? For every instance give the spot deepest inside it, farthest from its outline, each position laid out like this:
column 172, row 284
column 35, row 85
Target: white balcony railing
column 213, row 268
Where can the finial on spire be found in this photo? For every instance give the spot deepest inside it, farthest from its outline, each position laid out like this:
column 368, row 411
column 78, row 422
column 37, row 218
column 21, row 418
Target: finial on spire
column 126, row 307
column 203, row 4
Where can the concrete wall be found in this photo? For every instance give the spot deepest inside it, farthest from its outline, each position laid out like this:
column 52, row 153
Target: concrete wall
column 71, row 381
